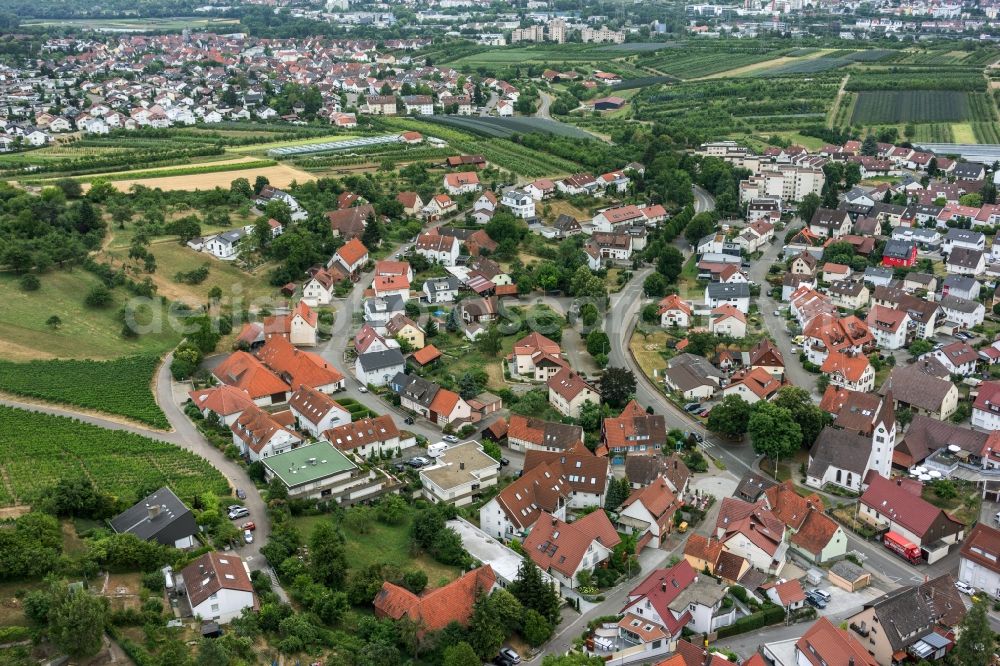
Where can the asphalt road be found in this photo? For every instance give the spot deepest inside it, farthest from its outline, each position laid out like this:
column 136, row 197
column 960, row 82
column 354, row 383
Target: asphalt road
column 543, row 107
column 776, row 325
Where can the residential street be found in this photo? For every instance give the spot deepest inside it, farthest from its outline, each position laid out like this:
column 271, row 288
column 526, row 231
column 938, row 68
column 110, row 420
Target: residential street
column 776, row 325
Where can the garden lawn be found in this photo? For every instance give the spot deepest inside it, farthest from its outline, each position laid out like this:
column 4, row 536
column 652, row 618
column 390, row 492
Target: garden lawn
column 36, row 450
column 648, row 351
column 964, row 507
column 383, row 543
column 121, row 386
column 84, row 332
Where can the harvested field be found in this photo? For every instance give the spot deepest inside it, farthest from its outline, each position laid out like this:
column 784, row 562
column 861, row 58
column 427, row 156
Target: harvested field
column 279, row 176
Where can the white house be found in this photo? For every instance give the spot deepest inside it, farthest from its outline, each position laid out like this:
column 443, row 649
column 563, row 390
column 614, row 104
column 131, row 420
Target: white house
column 564, row 550
column 315, row 411
column 888, row 326
column 979, row 564
column 460, row 474
column 649, row 512
column 259, row 435
column 736, row 294
column 440, row 290
column 217, row 586
column 961, row 312
column 520, row 203
column 225, row 245
column 674, row 312
column 377, row 368
column 441, row 249
column 461, row 182
column 986, row 410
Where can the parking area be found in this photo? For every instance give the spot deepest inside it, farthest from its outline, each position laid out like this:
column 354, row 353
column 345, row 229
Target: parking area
column 843, row 602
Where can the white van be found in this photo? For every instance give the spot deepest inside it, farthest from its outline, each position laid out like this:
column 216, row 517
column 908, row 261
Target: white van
column 435, row 450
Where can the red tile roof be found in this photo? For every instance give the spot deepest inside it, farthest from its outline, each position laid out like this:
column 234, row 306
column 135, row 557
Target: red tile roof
column 426, row 355
column 222, row 399
column 246, row 372
column 824, row 644
column 297, row 367
column 543, row 488
column 213, row 572
column 986, row 540
column 360, row 433
column 893, row 500
column 437, row 608
column 556, row 545
column 352, row 252
column 660, row 588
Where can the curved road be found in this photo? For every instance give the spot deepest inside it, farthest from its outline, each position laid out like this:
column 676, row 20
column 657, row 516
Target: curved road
column 543, row 107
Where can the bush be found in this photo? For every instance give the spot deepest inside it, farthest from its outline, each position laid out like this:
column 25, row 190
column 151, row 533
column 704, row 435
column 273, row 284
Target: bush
column 30, row 282
column 536, row 628
column 770, row 614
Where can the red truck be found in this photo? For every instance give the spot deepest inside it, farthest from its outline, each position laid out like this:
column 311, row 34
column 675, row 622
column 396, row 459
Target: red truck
column 897, row 544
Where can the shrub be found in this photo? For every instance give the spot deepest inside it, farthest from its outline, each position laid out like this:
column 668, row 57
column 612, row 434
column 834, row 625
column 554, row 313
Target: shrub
column 29, row 282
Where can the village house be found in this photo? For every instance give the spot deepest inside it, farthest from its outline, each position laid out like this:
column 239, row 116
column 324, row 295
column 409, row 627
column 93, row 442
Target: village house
column 535, row 358
column 367, row 437
column 726, row 320
column 438, row 607
column 897, row 504
column 753, row 532
column 377, row 368
column 514, row 510
column 461, row 182
column 917, row 388
column 315, row 411
column 979, row 565
column 673, row 311
column 459, row 475
column 259, row 434
column 225, row 401
column 648, row 513
column 633, row 431
column 527, row 433
column 437, row 248
column 245, row 372
column 217, row 587
column 912, row 621
column 568, row 392
column 588, row 475
column 299, row 327
column 564, row 550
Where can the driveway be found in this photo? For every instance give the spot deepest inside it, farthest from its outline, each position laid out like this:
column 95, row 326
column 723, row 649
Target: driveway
column 543, row 106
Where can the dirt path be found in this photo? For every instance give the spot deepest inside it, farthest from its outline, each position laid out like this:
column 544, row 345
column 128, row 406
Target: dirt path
column 837, row 101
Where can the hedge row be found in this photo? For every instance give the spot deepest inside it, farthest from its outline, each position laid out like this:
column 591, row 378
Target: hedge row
column 768, row 615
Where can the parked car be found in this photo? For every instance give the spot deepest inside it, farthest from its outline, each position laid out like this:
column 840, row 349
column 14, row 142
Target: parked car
column 697, row 437
column 418, row 462
column 777, row 313
column 362, row 389
column 822, row 594
column 408, row 420
column 241, row 494
column 692, row 406
column 399, row 467
column 511, row 654
column 450, row 439
column 815, row 601
column 233, row 507
column 964, row 588
column 504, row 462
column 249, row 526
column 248, row 536
column 239, row 512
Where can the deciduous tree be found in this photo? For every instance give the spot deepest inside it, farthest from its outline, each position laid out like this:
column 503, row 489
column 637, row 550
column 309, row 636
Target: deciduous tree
column 773, row 431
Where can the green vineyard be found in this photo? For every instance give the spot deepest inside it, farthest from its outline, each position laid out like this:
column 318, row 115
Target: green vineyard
column 36, row 450
column 906, row 106
column 118, row 387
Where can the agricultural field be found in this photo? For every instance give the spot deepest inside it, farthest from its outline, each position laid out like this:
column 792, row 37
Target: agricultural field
column 120, row 387
column 83, row 332
column 696, row 63
column 934, row 133
column 824, row 63
column 36, row 450
column 278, row 175
column 910, row 106
column 986, row 132
column 507, row 154
column 729, row 106
column 148, row 24
column 505, row 128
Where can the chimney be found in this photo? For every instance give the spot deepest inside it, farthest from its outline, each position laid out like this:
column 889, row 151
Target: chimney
column 850, row 662
column 554, row 521
column 663, row 584
column 461, row 465
column 152, row 510
column 899, row 482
